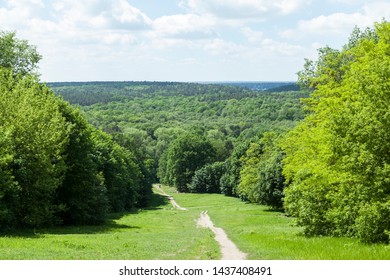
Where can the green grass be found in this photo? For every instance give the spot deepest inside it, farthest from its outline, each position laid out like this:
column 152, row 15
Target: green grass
column 265, row 234
column 161, row 232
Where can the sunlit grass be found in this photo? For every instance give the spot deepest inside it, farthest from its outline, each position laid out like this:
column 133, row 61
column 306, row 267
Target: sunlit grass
column 162, row 232
column 265, row 234
column 159, row 232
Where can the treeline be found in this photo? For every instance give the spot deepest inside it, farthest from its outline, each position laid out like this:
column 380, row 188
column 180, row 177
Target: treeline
column 327, row 166
column 198, row 137
column 331, row 171
column 338, row 160
column 56, row 168
column 152, row 116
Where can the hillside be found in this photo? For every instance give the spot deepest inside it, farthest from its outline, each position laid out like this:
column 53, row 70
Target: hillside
column 150, row 115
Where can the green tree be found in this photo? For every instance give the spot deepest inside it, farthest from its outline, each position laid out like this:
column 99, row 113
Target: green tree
column 34, row 135
column 261, row 178
column 17, row 54
column 271, row 182
column 249, row 173
column 122, row 176
column 82, row 193
column 185, row 155
column 207, row 179
column 233, row 165
column 337, row 159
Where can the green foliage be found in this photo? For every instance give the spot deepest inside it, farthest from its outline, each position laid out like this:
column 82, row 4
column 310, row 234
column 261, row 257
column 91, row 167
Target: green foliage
column 271, row 182
column 183, row 158
column 82, row 193
column 122, row 175
column 337, row 159
column 151, row 115
column 34, row 137
column 261, row 178
column 17, row 54
column 248, row 173
column 373, row 223
column 231, row 178
column 332, row 64
column 54, row 166
column 207, row 179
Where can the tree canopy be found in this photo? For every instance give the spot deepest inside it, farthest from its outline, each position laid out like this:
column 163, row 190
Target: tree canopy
column 338, row 158
column 17, row 54
column 55, row 167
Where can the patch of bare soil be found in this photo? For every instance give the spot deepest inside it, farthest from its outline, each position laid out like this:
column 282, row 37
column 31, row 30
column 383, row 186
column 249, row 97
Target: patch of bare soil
column 228, row 248
column 170, row 198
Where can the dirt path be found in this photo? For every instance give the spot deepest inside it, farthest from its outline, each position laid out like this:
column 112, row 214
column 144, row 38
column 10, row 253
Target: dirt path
column 228, row 248
column 170, row 198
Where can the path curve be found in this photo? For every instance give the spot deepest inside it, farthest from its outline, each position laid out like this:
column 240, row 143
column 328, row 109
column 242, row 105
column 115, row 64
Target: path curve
column 170, row 198
column 228, row 249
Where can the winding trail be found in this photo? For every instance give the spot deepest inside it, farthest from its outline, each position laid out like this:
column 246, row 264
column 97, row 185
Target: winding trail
column 170, row 198
column 228, row 249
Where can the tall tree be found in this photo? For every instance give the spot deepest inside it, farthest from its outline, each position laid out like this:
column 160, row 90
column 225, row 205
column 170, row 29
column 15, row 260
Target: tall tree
column 17, row 54
column 338, row 159
column 186, row 154
column 32, row 162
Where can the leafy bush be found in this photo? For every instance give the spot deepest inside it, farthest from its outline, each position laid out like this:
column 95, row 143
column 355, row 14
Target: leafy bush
column 183, row 158
column 373, row 223
column 337, row 159
column 207, row 179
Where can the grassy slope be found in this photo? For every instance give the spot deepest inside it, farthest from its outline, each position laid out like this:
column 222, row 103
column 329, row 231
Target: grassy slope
column 265, row 234
column 162, row 232
column 159, row 232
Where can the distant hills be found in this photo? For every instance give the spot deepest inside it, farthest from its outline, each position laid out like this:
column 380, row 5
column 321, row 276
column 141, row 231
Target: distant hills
column 263, row 86
column 256, row 86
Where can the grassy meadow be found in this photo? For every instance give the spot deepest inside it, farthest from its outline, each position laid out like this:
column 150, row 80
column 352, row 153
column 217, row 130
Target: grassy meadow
column 162, row 232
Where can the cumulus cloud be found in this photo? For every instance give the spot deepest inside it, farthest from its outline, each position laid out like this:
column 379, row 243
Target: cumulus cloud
column 341, row 23
column 116, row 14
column 184, row 26
column 245, row 9
column 270, row 46
column 19, row 13
column 252, row 35
column 334, row 23
column 69, row 19
column 98, row 34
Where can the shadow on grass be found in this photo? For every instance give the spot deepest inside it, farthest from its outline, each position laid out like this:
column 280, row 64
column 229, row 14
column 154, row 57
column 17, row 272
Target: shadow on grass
column 156, row 202
column 278, row 210
column 110, row 225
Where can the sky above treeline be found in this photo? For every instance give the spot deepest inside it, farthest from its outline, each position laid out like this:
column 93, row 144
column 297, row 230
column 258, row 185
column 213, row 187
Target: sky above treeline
column 183, row 40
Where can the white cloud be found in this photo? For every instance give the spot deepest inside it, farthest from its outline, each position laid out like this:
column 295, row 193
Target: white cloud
column 188, row 26
column 100, row 36
column 17, row 14
column 245, row 9
column 281, row 48
column 221, row 47
column 348, row 2
column 376, row 10
column 340, row 23
column 115, row 14
column 333, row 24
column 251, row 35
column 268, row 45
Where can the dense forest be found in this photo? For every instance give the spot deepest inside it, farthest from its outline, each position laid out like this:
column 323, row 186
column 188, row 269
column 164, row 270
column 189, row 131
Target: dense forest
column 72, row 152
column 210, row 120
column 55, row 167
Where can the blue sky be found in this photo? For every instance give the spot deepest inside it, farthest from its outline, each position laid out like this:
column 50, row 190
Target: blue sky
column 183, row 40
